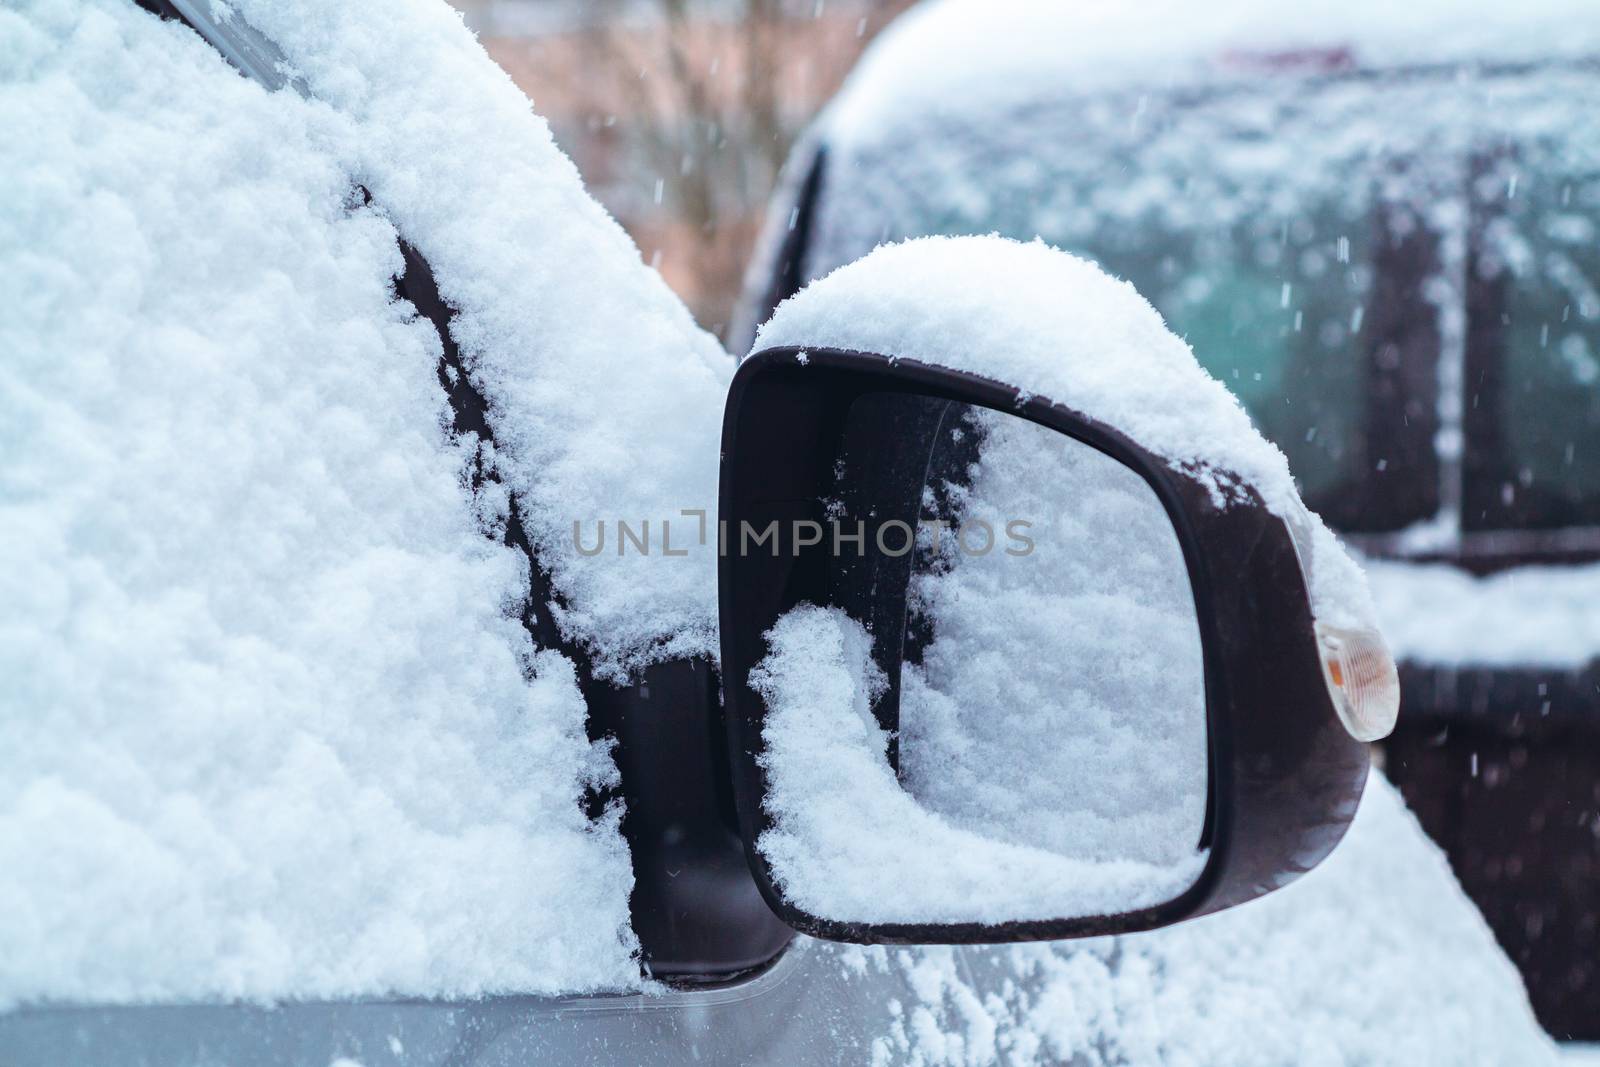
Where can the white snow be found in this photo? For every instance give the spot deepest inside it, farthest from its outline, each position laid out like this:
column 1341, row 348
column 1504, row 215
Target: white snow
column 264, row 725
column 971, row 56
column 1533, row 616
column 848, row 843
column 1061, row 700
column 1375, row 957
column 1057, row 326
column 269, row 726
column 606, row 399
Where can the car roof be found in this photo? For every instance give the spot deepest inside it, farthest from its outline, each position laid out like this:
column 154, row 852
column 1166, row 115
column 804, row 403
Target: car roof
column 972, row 55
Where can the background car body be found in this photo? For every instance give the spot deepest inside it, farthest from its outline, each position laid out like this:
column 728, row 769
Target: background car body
column 1380, row 231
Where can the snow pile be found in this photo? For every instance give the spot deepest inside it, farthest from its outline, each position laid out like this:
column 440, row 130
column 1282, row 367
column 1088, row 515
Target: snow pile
column 848, row 843
column 269, row 726
column 1061, row 700
column 943, row 55
column 1375, row 957
column 605, row 399
column 1057, row 326
column 1524, row 617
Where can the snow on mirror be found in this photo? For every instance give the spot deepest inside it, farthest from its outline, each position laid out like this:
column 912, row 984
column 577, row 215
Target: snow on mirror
column 1032, row 746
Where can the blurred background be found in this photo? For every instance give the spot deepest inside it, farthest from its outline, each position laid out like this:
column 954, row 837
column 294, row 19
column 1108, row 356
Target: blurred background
column 679, row 113
column 1395, row 266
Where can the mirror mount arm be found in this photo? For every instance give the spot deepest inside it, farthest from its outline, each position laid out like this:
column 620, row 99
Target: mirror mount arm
column 695, row 907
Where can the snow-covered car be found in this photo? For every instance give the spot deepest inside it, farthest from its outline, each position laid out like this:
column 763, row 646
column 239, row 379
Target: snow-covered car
column 337, row 728
column 1379, row 224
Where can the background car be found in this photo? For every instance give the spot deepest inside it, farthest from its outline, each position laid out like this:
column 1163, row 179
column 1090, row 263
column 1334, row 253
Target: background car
column 1381, row 228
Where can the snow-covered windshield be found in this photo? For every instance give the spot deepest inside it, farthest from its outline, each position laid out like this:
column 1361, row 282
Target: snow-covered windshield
column 270, row 723
column 1400, row 284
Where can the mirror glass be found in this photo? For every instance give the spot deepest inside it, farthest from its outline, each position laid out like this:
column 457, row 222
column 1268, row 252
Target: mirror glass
column 1001, row 716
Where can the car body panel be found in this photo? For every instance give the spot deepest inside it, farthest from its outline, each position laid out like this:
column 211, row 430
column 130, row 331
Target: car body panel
column 807, row 1007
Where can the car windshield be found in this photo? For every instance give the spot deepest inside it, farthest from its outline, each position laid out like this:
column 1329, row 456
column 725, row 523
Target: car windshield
column 1318, row 242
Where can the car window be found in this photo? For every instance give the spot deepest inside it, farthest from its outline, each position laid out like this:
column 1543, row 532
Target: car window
column 1402, row 286
column 1268, row 261
column 1275, row 307
column 1534, row 371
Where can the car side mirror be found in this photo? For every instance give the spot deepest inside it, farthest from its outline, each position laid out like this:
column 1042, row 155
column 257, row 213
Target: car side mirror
column 994, row 669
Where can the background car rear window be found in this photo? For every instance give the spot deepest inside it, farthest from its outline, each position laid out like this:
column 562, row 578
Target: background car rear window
column 1361, row 258
column 1265, row 264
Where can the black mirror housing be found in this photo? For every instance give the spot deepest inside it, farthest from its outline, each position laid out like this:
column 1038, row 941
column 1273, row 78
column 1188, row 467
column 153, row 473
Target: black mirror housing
column 1285, row 775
